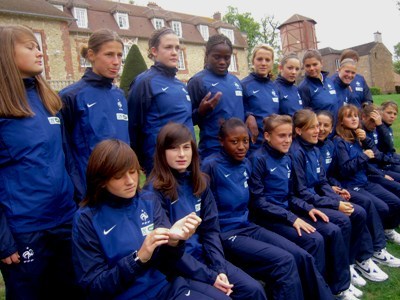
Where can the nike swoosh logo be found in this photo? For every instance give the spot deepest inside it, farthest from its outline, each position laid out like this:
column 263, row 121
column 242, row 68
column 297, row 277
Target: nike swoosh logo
column 285, row 96
column 91, row 104
column 105, row 232
column 215, row 84
column 316, row 90
column 187, row 294
column 164, row 89
column 273, row 169
column 255, row 92
column 227, row 175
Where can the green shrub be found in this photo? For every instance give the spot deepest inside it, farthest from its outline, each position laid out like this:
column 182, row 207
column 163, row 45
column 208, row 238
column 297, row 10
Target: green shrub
column 134, row 65
column 397, row 87
column 375, row 90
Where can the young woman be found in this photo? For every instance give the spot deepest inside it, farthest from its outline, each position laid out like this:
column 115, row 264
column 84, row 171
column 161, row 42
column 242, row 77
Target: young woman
column 276, row 208
column 360, row 95
column 107, row 263
column 157, row 96
column 289, row 97
column 260, row 96
column 36, row 193
column 374, row 223
column 389, row 111
column 177, row 182
column 317, row 90
column 345, row 75
column 229, row 171
column 353, row 150
column 94, row 109
column 216, row 95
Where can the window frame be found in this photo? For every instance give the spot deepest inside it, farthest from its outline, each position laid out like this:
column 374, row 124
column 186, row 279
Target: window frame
column 81, row 16
column 228, row 33
column 124, row 18
column 204, row 31
column 176, row 26
column 156, row 21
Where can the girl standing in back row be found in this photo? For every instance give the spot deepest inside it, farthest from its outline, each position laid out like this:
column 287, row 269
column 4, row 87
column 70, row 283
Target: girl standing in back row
column 36, row 193
column 94, row 109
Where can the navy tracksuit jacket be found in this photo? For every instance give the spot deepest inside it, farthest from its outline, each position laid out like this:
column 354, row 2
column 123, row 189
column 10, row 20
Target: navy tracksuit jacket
column 204, row 256
column 93, row 110
column 156, row 97
column 289, row 97
column 229, row 105
column 260, row 99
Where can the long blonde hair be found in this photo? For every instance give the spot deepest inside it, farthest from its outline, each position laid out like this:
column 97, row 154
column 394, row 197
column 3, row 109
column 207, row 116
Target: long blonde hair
column 13, row 99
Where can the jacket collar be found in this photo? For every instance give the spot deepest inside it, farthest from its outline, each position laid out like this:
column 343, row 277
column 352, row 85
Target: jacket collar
column 97, row 80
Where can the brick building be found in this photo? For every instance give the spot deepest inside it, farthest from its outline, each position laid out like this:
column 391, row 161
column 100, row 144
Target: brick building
column 64, row 26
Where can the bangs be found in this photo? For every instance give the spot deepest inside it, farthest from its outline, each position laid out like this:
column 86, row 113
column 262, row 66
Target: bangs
column 177, row 135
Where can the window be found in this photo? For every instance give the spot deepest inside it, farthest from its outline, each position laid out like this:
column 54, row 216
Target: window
column 122, row 20
column 228, row 33
column 233, row 65
column 60, row 7
column 204, row 32
column 337, row 64
column 158, row 23
column 177, row 28
column 84, row 63
column 181, row 60
column 125, row 52
column 80, row 14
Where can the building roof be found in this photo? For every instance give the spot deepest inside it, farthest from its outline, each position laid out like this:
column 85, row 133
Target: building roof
column 362, row 50
column 100, row 15
column 296, row 18
column 34, row 8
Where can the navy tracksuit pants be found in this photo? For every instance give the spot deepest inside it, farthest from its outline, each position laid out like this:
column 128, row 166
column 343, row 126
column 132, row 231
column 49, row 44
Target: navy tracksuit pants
column 288, row 271
column 45, row 270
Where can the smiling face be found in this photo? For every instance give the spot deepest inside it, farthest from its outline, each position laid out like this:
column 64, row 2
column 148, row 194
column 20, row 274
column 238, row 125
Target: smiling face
column 28, row 58
column 219, row 58
column 263, row 62
column 124, row 186
column 179, row 157
column 312, row 67
column 290, row 70
column 347, row 73
column 107, row 61
column 280, row 138
column 236, row 142
column 167, row 52
column 325, row 127
column 309, row 134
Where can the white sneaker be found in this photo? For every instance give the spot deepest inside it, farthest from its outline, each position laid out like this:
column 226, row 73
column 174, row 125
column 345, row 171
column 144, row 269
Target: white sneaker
column 346, row 295
column 370, row 270
column 355, row 291
column 385, row 258
column 393, row 236
column 356, row 279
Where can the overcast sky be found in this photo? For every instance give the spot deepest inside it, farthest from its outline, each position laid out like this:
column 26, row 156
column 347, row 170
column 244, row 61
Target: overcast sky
column 340, row 23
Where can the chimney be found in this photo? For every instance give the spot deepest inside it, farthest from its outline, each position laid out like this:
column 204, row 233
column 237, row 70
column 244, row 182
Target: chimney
column 217, row 16
column 377, row 37
column 153, row 5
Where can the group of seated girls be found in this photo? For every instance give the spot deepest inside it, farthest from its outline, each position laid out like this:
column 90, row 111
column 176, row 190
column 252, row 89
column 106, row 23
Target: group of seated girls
column 302, row 217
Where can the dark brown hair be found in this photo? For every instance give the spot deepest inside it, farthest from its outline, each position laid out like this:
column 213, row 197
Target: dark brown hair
column 349, row 53
column 312, row 53
column 388, row 103
column 110, row 158
column 155, row 38
column 346, row 133
column 98, row 38
column 162, row 177
column 228, row 125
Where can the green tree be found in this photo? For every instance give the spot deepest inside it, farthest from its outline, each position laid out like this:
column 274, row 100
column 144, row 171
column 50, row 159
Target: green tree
column 263, row 32
column 134, row 65
column 396, row 63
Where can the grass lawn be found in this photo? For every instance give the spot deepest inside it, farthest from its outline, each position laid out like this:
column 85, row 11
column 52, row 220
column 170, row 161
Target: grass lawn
column 388, row 290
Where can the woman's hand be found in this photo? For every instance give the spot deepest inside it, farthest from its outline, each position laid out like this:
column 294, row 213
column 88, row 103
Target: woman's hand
column 251, row 124
column 222, row 283
column 314, row 213
column 369, row 153
column 183, row 229
column 346, row 208
column 360, row 133
column 12, row 259
column 208, row 104
column 300, row 224
column 342, row 192
column 154, row 239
